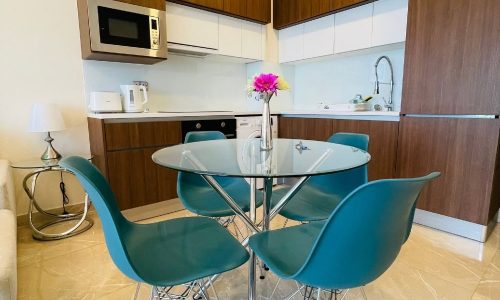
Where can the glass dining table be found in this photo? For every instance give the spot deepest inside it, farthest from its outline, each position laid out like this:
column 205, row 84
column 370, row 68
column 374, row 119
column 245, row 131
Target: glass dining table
column 244, row 158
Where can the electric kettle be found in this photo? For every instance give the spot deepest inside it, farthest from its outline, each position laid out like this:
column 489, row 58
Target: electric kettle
column 134, row 97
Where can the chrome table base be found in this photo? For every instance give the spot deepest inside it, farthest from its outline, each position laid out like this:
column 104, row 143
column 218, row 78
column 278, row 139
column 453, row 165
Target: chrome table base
column 38, row 231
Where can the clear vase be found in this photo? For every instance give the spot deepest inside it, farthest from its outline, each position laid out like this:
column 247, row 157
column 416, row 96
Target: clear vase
column 266, row 140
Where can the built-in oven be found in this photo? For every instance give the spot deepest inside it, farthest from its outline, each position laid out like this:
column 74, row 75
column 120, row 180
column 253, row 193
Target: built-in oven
column 226, row 126
column 122, row 28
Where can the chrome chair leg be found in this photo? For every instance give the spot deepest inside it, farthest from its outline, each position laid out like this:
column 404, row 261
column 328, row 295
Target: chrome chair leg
column 137, row 291
column 363, row 293
column 275, row 288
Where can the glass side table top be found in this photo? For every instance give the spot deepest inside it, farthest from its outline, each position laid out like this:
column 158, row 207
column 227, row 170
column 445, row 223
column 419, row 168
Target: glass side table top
column 37, row 163
column 243, row 158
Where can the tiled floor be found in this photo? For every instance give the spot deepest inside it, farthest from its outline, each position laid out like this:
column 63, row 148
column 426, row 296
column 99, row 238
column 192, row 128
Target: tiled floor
column 431, row 265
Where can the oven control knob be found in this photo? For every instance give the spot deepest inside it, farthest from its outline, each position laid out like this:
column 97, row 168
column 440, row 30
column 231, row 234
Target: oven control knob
column 198, row 125
column 223, row 124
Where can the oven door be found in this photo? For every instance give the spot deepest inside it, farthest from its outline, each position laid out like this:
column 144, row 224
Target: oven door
column 117, row 27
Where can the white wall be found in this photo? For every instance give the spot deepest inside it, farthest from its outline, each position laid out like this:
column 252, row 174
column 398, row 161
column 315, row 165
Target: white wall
column 337, row 79
column 40, row 61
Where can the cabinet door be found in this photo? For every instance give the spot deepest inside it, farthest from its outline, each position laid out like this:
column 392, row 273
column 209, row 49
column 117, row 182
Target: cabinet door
column 318, row 37
column 382, row 147
column 136, row 180
column 259, row 10
column 389, row 22
column 236, row 7
column 353, row 29
column 192, row 27
column 305, row 128
column 452, row 58
column 464, row 151
column 252, row 40
column 213, row 4
column 230, row 36
column 291, row 43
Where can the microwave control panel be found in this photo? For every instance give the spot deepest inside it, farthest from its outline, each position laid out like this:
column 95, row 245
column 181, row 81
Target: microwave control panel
column 154, row 23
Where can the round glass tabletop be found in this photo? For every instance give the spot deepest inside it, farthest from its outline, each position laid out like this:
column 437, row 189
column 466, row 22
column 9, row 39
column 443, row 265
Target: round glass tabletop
column 243, row 158
column 38, row 163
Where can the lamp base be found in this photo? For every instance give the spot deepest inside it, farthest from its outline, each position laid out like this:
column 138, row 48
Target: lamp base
column 50, row 153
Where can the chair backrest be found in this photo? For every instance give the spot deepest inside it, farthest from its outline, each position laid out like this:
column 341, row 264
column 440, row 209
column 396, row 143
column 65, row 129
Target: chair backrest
column 342, row 183
column 363, row 235
column 114, row 224
column 186, row 180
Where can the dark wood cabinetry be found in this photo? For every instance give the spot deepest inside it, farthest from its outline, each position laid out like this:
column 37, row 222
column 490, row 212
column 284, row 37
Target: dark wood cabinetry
column 452, row 57
column 156, row 4
column 253, row 10
column 383, row 138
column 465, row 151
column 122, row 151
column 291, row 12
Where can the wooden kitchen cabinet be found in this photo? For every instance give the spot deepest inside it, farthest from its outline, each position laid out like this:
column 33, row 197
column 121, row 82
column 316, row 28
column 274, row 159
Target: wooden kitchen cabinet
column 383, row 138
column 156, row 4
column 122, row 151
column 452, row 58
column 253, row 10
column 291, row 12
column 353, row 29
column 465, row 152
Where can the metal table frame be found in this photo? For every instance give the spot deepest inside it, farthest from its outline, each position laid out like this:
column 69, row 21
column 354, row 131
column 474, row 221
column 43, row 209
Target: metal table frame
column 250, row 221
column 38, row 232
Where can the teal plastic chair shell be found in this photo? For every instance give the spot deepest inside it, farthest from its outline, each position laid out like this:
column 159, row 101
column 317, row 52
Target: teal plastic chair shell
column 166, row 253
column 354, row 246
column 321, row 194
column 200, row 198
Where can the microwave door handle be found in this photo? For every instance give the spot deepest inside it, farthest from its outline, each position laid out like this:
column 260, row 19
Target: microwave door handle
column 145, row 93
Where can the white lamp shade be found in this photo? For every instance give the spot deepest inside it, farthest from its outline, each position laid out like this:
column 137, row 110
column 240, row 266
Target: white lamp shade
column 46, row 117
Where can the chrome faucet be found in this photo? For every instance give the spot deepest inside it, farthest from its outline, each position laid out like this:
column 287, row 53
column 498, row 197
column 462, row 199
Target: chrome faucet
column 376, row 91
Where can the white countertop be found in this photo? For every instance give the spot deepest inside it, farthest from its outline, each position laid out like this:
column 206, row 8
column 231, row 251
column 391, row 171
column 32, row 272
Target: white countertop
column 355, row 115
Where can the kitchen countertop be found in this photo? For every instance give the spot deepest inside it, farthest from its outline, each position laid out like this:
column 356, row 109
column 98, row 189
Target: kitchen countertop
column 150, row 116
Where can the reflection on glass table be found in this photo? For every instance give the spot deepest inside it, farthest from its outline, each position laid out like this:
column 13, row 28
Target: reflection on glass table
column 243, row 158
column 80, row 222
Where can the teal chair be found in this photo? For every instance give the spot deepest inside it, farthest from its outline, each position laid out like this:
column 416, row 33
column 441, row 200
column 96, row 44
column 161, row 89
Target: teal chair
column 355, row 245
column 162, row 254
column 320, row 195
column 200, row 198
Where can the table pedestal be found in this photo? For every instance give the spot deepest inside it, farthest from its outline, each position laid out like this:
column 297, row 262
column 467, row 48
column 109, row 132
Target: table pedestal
column 38, row 232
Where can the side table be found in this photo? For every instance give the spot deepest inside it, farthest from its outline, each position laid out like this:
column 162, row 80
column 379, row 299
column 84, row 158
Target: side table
column 39, row 167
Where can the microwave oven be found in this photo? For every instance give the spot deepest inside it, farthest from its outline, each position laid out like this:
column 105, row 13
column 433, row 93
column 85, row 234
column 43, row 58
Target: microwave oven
column 122, row 29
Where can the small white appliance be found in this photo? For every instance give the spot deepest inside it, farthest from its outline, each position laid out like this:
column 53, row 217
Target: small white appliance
column 103, row 102
column 249, row 127
column 134, row 97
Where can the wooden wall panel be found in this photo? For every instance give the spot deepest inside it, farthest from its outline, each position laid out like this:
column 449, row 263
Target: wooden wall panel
column 237, row 7
column 259, row 10
column 464, row 151
column 452, row 57
column 121, row 136
column 253, row 10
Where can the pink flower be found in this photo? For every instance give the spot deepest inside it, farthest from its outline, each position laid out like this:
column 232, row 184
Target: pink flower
column 267, row 83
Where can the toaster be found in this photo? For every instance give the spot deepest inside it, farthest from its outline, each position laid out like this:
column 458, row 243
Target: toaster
column 102, row 102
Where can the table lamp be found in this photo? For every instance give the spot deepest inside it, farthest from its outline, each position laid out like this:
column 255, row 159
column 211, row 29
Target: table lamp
column 47, row 118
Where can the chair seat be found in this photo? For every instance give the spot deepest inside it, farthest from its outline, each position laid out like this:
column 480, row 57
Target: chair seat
column 309, row 204
column 286, row 250
column 205, row 201
column 182, row 250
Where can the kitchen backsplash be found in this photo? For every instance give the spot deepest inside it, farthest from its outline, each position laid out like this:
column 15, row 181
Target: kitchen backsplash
column 337, row 79
column 179, row 84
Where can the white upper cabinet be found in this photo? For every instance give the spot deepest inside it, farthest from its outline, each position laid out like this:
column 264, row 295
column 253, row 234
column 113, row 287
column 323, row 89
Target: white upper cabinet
column 319, row 37
column 353, row 29
column 252, row 42
column 230, row 36
column 291, row 43
column 192, row 27
column 389, row 22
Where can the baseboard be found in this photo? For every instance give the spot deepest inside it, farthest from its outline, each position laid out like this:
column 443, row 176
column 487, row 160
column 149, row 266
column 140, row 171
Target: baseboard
column 463, row 228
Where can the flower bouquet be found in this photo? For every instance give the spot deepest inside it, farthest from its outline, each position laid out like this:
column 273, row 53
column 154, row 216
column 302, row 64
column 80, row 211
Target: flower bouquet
column 267, row 85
